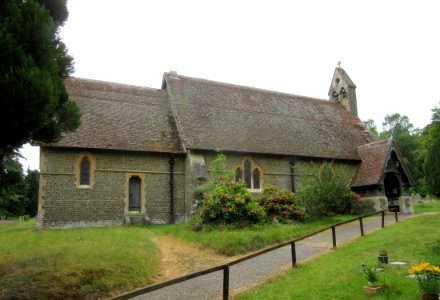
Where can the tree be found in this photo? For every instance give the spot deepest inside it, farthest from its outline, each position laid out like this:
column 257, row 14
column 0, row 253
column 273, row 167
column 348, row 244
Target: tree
column 431, row 165
column 395, row 123
column 31, row 182
column 325, row 190
column 12, row 188
column 371, row 126
column 34, row 105
column 409, row 141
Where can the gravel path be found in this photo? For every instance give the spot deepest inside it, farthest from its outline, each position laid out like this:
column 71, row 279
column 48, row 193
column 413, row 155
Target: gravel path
column 254, row 271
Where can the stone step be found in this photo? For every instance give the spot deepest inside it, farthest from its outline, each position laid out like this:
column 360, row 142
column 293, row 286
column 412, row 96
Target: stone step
column 137, row 219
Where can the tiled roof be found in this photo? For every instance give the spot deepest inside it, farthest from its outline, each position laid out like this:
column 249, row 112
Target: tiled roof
column 373, row 157
column 121, row 117
column 190, row 113
column 214, row 115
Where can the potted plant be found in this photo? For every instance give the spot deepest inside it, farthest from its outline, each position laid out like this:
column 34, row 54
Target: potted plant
column 383, row 257
column 428, row 279
column 373, row 287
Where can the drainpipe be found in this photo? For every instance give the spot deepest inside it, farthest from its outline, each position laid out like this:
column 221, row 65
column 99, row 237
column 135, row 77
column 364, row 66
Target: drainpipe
column 171, row 163
column 292, row 174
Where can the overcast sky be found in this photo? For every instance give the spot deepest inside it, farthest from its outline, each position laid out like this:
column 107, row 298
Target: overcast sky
column 390, row 49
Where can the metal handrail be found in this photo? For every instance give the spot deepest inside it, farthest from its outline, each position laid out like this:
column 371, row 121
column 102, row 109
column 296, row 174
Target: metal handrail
column 225, row 267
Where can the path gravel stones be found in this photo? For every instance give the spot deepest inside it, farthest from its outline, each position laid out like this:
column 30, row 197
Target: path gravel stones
column 254, row 271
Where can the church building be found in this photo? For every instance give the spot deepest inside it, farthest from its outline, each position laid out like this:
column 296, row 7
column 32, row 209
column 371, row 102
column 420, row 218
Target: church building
column 139, row 152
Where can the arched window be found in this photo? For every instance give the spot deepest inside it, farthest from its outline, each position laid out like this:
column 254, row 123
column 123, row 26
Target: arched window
column 238, row 174
column 247, row 174
column 250, row 174
column 85, row 166
column 256, row 178
column 84, row 176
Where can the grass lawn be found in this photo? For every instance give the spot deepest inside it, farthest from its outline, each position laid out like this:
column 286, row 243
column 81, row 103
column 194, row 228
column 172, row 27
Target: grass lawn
column 234, row 242
column 82, row 263
column 427, row 206
column 337, row 274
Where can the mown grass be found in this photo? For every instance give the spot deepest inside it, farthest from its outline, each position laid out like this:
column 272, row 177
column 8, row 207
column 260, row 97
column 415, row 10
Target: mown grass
column 87, row 263
column 337, row 274
column 234, row 242
column 427, row 206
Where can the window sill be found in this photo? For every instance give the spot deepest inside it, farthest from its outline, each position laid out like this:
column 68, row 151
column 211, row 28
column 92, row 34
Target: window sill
column 84, row 186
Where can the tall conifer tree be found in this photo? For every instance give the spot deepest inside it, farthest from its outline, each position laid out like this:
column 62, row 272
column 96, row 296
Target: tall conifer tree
column 34, row 105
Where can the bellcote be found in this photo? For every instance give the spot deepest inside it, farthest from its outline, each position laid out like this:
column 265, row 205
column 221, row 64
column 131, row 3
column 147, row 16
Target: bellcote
column 343, row 90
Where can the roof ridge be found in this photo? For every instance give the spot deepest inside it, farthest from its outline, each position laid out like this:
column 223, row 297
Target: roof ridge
column 113, row 83
column 375, row 142
column 176, row 75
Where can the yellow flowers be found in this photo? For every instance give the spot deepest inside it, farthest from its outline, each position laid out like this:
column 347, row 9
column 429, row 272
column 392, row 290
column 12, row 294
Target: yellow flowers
column 423, row 268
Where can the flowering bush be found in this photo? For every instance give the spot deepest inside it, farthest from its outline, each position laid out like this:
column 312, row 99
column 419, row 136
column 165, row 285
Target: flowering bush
column 281, row 205
column 428, row 278
column 228, row 205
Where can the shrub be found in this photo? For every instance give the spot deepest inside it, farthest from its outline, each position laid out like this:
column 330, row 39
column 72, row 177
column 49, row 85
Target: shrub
column 281, row 205
column 223, row 203
column 218, row 175
column 325, row 190
column 228, row 205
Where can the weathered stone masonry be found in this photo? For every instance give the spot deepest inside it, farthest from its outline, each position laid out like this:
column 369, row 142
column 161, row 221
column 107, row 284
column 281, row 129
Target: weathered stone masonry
column 103, row 204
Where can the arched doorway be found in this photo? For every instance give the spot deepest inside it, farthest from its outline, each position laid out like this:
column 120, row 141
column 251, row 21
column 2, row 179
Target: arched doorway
column 392, row 190
column 134, row 203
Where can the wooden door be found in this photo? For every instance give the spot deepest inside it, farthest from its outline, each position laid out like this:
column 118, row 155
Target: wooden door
column 135, row 194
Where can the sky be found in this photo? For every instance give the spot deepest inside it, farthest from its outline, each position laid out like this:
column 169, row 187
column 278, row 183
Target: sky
column 390, row 49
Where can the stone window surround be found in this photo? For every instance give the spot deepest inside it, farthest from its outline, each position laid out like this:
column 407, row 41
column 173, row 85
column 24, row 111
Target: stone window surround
column 141, row 176
column 77, row 170
column 254, row 166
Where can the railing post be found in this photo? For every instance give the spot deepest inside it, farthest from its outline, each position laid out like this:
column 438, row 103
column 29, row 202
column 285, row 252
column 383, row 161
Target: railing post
column 395, row 215
column 334, row 236
column 293, row 249
column 383, row 218
column 362, row 226
column 226, row 283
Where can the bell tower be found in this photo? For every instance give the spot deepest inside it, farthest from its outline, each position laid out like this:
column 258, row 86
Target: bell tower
column 343, row 90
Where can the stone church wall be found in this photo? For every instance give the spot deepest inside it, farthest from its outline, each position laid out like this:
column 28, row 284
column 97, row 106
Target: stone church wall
column 63, row 204
column 277, row 169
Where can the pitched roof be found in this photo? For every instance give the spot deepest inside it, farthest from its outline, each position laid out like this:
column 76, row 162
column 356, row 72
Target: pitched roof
column 190, row 113
column 121, row 117
column 212, row 115
column 374, row 156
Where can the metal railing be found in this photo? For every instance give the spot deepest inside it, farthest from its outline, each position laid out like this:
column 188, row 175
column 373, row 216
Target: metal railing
column 225, row 267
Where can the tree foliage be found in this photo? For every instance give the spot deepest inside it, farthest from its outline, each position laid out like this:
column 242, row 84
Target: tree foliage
column 408, row 139
column 432, row 162
column 34, row 105
column 325, row 190
column 371, row 126
column 31, row 183
column 12, row 185
column 18, row 192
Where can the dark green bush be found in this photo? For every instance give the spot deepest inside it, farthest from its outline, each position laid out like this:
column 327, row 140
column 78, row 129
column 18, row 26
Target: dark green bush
column 325, row 191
